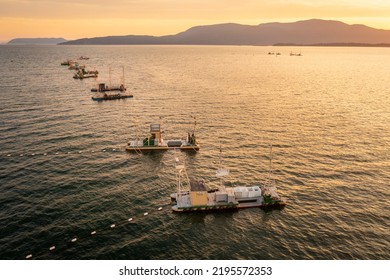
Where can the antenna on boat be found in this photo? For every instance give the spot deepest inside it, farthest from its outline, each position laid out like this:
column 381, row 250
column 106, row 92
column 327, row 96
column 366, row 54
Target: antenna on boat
column 270, row 166
column 220, row 156
column 193, row 131
column 181, row 169
column 270, row 157
column 220, row 163
column 109, row 75
column 161, row 124
column 221, row 172
column 123, row 75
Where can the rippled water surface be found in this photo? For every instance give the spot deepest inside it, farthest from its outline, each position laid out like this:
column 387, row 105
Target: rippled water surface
column 64, row 171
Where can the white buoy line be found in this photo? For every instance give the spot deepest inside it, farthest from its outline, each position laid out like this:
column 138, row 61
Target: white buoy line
column 58, row 153
column 53, row 248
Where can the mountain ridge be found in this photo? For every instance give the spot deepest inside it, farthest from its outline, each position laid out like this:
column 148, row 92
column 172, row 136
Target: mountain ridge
column 36, row 41
column 305, row 32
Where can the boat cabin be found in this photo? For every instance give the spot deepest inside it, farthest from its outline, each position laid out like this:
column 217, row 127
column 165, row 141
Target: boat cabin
column 155, row 138
column 198, row 193
column 102, row 87
column 247, row 193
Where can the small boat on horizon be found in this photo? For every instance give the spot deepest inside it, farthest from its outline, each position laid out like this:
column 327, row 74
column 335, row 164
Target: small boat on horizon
column 295, row 54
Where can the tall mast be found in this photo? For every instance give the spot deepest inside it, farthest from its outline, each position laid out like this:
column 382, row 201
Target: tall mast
column 270, row 166
column 221, row 172
column 220, row 156
column 194, row 125
column 123, row 75
column 109, row 74
column 220, row 160
column 181, row 171
column 270, row 157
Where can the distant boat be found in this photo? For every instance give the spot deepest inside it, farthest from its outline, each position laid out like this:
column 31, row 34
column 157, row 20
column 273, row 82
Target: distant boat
column 74, row 65
column 83, row 74
column 155, row 142
column 102, row 87
column 67, row 62
column 295, row 54
column 110, row 96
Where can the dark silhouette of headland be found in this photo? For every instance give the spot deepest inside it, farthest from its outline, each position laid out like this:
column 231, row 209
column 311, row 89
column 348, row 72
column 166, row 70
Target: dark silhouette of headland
column 36, row 41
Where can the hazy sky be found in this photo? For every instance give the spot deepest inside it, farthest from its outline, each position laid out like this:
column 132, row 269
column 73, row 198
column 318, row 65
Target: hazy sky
column 74, row 19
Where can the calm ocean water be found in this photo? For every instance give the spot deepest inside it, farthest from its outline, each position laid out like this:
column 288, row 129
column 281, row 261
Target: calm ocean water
column 64, row 171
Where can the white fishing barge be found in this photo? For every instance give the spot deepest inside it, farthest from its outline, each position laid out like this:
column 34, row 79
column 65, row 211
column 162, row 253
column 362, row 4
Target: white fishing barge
column 155, row 142
column 197, row 196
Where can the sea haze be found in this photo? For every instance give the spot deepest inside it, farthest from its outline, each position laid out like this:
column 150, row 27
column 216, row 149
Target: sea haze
column 64, row 172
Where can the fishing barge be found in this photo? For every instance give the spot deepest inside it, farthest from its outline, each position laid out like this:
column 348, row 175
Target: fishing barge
column 83, row 74
column 197, row 196
column 155, row 142
column 102, row 87
column 67, row 62
column 110, row 96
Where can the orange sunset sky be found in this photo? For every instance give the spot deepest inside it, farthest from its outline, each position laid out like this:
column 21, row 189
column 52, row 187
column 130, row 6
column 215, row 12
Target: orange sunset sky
column 73, row 19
